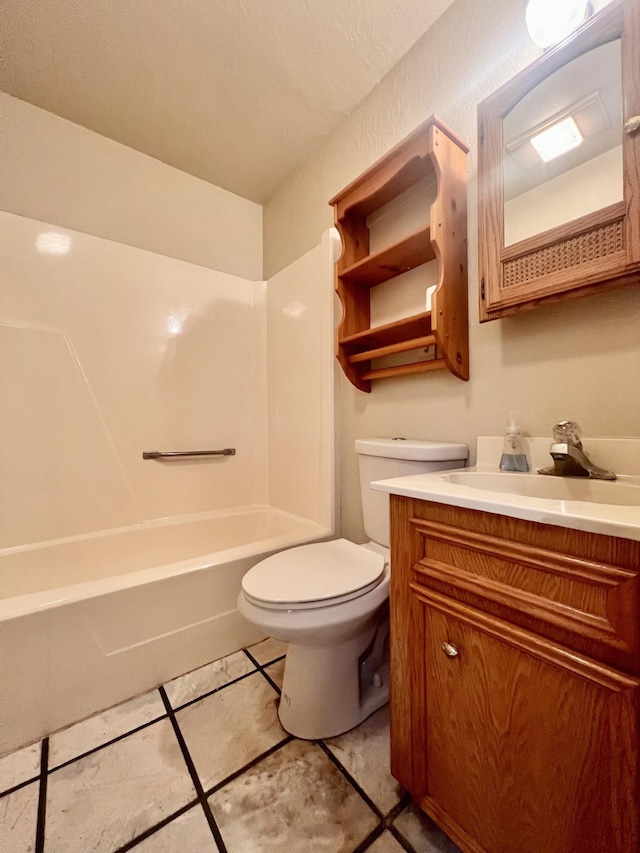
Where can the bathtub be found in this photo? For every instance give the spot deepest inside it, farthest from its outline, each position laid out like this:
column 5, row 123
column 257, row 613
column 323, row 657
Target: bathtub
column 90, row 621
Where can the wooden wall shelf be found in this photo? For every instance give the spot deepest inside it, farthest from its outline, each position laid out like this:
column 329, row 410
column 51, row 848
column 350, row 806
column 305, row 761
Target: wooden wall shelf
column 431, row 150
column 410, row 252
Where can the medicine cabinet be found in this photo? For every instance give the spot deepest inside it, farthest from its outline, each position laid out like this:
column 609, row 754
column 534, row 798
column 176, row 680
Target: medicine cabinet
column 559, row 170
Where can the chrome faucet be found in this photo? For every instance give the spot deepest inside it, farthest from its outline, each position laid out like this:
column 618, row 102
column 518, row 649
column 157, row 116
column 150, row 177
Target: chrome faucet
column 569, row 458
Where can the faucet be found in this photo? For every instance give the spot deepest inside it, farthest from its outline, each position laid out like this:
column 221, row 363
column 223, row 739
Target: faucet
column 569, row 458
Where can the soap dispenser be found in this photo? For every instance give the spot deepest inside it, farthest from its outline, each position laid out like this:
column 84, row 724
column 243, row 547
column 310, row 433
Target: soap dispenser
column 514, row 457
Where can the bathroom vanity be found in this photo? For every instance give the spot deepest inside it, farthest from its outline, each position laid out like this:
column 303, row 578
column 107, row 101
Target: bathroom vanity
column 516, row 663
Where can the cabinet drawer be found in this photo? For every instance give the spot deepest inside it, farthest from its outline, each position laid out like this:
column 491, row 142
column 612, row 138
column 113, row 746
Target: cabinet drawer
column 578, row 588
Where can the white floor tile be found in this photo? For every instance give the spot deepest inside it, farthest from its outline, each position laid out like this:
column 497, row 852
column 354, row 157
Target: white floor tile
column 293, row 800
column 18, row 820
column 385, row 844
column 97, row 730
column 102, row 801
column 276, row 672
column 422, row 833
column 268, row 650
column 20, row 766
column 200, row 681
column 364, row 752
column 225, row 731
column 188, row 833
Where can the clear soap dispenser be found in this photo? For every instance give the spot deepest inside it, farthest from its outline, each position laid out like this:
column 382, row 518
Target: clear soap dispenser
column 514, row 457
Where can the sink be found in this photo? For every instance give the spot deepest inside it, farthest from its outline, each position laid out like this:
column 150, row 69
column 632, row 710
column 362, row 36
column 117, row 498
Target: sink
column 579, row 503
column 616, row 493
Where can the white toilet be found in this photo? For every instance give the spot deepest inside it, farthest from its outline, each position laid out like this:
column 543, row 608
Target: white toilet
column 329, row 602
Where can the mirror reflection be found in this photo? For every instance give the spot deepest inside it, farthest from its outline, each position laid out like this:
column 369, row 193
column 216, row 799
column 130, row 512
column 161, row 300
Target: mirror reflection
column 563, row 146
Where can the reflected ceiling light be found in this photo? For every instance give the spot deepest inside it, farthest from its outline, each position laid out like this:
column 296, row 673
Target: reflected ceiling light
column 174, row 325
column 555, row 140
column 53, row 243
column 294, row 309
column 549, row 21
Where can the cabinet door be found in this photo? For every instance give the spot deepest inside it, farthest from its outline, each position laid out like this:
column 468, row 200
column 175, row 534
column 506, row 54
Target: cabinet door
column 529, row 747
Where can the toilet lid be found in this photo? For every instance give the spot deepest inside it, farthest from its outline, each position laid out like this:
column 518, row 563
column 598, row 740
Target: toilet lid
column 320, row 574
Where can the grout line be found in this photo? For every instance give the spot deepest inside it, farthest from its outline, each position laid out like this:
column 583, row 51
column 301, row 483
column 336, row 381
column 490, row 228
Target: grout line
column 368, row 841
column 395, row 812
column 402, row 841
column 215, row 690
column 251, row 658
column 107, row 743
column 17, row 787
column 156, row 828
column 262, row 665
column 42, row 797
column 213, row 826
column 271, row 682
column 399, row 807
column 350, row 779
column 249, row 766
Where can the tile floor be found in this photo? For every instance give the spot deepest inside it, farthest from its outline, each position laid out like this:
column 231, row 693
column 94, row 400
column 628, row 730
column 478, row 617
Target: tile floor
column 202, row 765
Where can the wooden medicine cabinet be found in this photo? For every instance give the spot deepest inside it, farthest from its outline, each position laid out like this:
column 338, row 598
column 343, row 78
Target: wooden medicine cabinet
column 556, row 226
column 431, row 151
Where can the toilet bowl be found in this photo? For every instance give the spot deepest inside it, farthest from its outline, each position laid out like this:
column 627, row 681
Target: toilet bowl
column 329, row 602
column 336, row 627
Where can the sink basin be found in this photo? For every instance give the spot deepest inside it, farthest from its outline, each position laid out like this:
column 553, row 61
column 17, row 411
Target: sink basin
column 617, row 493
column 595, row 506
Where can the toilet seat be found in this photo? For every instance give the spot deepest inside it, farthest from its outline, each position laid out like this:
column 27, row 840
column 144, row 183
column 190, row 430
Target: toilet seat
column 313, row 576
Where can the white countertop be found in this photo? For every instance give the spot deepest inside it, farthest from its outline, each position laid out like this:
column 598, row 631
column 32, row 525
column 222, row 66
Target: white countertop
column 620, row 455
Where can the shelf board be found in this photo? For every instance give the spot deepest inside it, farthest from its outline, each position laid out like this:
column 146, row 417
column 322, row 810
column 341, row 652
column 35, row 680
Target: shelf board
column 405, row 369
column 403, row 346
column 416, row 326
column 410, row 252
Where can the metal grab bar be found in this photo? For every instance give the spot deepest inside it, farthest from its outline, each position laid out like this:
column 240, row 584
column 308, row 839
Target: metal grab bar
column 166, row 454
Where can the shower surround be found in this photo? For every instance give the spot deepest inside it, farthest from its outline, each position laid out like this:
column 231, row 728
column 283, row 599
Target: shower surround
column 115, row 570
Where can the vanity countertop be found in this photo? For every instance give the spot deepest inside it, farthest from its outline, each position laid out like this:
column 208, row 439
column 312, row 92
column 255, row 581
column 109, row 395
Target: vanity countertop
column 609, row 508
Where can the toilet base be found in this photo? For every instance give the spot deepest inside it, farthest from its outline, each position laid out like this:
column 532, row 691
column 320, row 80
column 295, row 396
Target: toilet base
column 330, row 689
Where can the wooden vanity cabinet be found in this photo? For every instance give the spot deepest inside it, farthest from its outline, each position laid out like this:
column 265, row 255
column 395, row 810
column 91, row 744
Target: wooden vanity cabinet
column 515, row 680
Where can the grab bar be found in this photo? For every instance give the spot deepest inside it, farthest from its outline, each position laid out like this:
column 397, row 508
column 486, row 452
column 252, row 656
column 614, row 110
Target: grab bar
column 165, row 454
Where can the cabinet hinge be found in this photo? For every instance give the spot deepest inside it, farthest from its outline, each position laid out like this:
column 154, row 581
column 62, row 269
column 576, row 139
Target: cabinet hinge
column 482, row 288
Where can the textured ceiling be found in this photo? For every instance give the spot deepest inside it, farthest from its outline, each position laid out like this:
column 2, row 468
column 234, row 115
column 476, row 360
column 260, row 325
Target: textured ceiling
column 237, row 92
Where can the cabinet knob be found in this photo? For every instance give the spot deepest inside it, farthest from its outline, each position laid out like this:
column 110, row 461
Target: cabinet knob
column 450, row 650
column 632, row 124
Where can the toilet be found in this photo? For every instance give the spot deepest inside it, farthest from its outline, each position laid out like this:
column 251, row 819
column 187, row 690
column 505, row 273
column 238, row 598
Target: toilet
column 329, row 602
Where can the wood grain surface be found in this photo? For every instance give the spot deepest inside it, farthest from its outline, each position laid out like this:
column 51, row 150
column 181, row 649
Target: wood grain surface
column 523, row 742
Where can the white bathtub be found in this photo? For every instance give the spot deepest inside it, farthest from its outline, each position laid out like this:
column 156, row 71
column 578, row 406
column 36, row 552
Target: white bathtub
column 90, row 621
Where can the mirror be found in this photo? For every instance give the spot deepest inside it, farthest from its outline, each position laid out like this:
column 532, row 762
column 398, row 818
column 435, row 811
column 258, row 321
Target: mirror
column 562, row 154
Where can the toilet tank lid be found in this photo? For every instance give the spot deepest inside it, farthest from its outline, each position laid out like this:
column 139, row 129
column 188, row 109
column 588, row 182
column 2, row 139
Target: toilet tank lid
column 410, row 448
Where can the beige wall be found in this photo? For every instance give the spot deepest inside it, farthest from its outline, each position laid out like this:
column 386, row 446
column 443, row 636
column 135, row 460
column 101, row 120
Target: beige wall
column 579, row 360
column 58, row 172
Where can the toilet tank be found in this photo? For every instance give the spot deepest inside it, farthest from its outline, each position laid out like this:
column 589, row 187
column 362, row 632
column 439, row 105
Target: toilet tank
column 382, row 458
